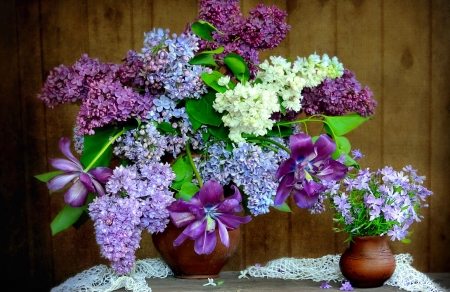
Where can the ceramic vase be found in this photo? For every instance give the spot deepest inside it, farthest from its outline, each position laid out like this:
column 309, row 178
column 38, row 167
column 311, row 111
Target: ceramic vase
column 185, row 262
column 368, row 261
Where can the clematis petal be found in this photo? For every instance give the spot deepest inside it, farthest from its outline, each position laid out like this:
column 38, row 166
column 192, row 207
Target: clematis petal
column 233, row 221
column 338, row 171
column 64, row 165
column 76, row 196
column 302, row 199
column 312, row 188
column 64, row 146
column 59, row 181
column 181, row 219
column 286, row 167
column 98, row 188
column 206, row 243
column 324, row 147
column 101, row 174
column 301, row 146
column 210, row 193
column 87, row 181
column 179, row 206
column 284, row 189
column 228, row 205
column 223, row 232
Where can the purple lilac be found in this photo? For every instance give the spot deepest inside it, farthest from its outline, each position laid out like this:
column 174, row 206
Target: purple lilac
column 116, row 223
column 337, row 97
column 264, row 29
column 136, row 199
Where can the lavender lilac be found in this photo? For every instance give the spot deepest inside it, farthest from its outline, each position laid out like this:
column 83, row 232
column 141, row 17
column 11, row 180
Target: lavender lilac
column 246, row 166
column 136, row 199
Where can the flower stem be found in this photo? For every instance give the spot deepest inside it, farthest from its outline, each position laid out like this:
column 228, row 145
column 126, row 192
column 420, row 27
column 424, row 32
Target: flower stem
column 100, row 153
column 273, row 142
column 197, row 175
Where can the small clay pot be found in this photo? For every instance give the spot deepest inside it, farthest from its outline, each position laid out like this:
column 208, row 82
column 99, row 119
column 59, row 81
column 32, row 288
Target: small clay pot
column 185, row 262
column 368, row 261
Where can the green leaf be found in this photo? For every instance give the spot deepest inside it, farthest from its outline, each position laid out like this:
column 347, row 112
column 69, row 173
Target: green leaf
column 65, row 218
column 219, row 132
column 195, row 124
column 203, row 59
column 93, row 144
column 206, row 135
column 283, row 207
column 166, row 127
column 211, row 80
column 341, row 125
column 182, row 169
column 238, row 66
column 343, row 144
column 202, row 110
column 206, row 58
column 203, row 30
column 188, row 189
column 45, row 177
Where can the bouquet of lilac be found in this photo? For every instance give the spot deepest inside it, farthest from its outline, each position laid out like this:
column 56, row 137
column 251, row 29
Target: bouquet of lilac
column 200, row 107
column 384, row 202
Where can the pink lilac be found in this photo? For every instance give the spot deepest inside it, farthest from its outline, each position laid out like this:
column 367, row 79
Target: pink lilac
column 337, row 97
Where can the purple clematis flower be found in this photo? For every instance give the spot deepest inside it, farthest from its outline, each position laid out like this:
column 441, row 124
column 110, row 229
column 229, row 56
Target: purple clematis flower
column 308, row 165
column 83, row 182
column 205, row 212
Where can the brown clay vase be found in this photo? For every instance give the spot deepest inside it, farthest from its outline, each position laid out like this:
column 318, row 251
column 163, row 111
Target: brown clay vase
column 368, row 261
column 185, row 262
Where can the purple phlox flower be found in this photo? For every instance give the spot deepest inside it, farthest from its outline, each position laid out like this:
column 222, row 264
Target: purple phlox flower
column 398, row 232
column 83, row 182
column 346, row 286
column 325, row 285
column 357, row 154
column 304, row 171
column 374, row 204
column 341, row 203
column 205, row 212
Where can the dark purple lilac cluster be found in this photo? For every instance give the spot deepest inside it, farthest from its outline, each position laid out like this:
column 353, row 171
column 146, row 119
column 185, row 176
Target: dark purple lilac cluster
column 264, row 29
column 136, row 199
column 339, row 96
column 104, row 98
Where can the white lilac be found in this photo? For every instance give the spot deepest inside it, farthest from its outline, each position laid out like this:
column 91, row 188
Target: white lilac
column 246, row 166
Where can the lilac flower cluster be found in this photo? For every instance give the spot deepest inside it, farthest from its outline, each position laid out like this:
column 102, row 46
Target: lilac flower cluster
column 96, row 85
column 384, row 202
column 339, row 96
column 136, row 199
column 246, row 166
column 264, row 29
column 166, row 65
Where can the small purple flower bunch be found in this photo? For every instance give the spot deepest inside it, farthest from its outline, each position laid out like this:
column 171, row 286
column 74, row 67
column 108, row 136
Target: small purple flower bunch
column 384, row 202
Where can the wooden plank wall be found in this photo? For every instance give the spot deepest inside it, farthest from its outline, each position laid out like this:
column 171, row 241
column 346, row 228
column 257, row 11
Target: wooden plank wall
column 398, row 48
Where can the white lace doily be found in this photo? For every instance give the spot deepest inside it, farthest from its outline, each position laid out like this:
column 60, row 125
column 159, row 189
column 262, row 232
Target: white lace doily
column 103, row 279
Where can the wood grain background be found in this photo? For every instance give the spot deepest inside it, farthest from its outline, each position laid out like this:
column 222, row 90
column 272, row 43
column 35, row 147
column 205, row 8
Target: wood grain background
column 400, row 49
